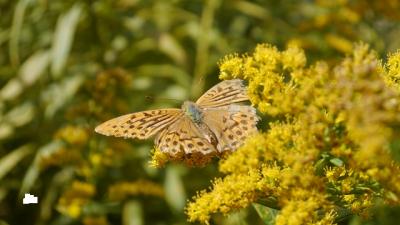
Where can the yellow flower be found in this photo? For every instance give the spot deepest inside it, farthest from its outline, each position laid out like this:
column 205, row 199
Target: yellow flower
column 293, row 58
column 392, row 77
column 303, row 212
column 247, row 158
column 232, row 192
column 196, row 159
column 229, row 67
column 73, row 209
column 327, row 124
column 95, row 159
column 349, row 198
column 348, row 15
column 122, row 190
column 158, row 158
column 73, row 135
column 85, row 170
column 74, row 198
column 339, row 43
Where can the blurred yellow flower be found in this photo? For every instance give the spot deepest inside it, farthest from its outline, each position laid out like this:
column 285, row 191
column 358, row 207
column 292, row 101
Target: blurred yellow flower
column 123, row 190
column 73, row 135
column 95, row 159
column 339, row 43
column 59, row 157
column 74, row 198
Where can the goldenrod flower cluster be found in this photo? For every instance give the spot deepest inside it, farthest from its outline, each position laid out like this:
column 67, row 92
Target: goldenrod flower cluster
column 329, row 144
column 393, row 70
column 159, row 159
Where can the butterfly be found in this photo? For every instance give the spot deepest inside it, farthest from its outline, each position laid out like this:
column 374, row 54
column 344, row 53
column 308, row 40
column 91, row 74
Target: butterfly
column 212, row 125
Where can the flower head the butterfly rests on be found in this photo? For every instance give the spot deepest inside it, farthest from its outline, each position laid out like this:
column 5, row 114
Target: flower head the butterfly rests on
column 212, row 126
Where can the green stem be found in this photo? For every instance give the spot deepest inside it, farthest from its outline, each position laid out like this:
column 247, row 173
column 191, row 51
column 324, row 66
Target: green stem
column 15, row 32
column 203, row 42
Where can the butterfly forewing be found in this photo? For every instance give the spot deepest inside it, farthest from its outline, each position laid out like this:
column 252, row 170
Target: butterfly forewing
column 184, row 137
column 139, row 125
column 231, row 124
column 224, row 93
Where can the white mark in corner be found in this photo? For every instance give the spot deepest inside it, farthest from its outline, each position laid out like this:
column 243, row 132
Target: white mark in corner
column 29, row 199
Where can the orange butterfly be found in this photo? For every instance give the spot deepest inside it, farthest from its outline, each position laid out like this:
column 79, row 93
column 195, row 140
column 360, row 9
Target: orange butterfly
column 211, row 125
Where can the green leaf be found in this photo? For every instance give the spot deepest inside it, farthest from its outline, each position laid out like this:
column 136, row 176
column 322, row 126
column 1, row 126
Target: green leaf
column 3, row 193
column 236, row 218
column 16, row 28
column 34, row 67
column 63, row 38
column 270, row 201
column 336, row 162
column 33, row 171
column 6, row 130
column 49, row 200
column 320, row 166
column 175, row 73
column 58, row 94
column 170, row 46
column 8, row 162
column 253, row 10
column 342, row 214
column 174, row 190
column 2, row 222
column 267, row 214
column 132, row 213
column 20, row 115
column 11, row 90
column 395, row 149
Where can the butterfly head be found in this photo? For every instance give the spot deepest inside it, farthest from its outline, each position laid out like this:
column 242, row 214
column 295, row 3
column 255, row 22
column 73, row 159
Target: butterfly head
column 192, row 110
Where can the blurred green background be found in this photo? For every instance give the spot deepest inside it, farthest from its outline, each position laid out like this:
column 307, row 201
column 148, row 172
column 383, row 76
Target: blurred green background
column 66, row 66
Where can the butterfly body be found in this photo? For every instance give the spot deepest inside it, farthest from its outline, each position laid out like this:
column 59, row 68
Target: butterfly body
column 210, row 126
column 193, row 111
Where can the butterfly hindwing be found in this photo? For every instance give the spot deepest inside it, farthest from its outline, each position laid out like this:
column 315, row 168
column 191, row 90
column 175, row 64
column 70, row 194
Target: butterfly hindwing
column 231, row 125
column 224, row 93
column 183, row 137
column 139, row 125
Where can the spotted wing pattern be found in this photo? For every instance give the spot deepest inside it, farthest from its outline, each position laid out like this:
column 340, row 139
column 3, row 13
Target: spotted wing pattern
column 139, row 125
column 231, row 125
column 224, row 93
column 184, row 137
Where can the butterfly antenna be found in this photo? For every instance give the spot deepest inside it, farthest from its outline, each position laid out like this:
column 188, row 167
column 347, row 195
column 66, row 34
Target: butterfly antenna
column 197, row 85
column 152, row 98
